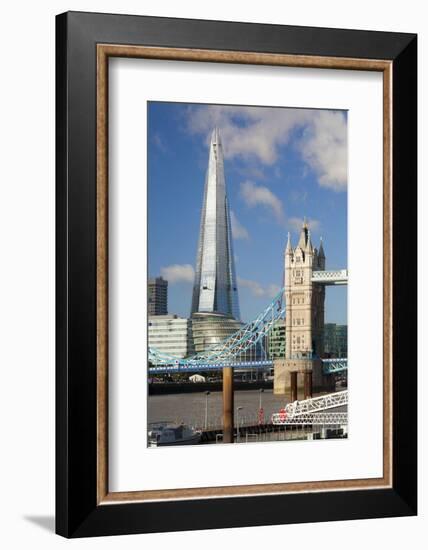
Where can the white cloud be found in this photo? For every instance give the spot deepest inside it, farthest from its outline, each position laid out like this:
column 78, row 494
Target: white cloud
column 255, row 134
column 296, row 224
column 251, row 171
column 247, row 131
column 238, row 230
column 258, row 290
column 255, row 195
column 324, row 147
column 177, row 273
column 159, row 142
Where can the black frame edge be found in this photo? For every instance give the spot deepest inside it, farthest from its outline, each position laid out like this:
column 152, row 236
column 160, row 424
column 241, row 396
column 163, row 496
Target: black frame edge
column 61, row 398
column 195, row 515
column 243, row 36
column 77, row 514
column 405, row 237
column 76, row 401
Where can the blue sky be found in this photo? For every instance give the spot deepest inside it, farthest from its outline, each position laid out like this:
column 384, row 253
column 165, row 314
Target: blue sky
column 280, row 165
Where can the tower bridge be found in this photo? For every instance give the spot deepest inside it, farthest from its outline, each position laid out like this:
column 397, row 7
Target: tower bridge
column 304, row 295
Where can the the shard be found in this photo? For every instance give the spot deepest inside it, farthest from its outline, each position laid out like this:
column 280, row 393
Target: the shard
column 215, row 290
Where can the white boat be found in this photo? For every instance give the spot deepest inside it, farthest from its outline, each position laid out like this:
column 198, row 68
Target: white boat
column 165, row 434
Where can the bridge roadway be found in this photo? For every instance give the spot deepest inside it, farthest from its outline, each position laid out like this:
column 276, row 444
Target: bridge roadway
column 337, row 277
column 203, row 367
column 330, row 366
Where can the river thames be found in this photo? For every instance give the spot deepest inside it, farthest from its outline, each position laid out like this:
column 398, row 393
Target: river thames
column 205, row 411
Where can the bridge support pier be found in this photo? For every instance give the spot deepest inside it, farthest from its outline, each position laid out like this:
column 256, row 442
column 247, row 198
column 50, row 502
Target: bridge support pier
column 308, row 384
column 228, row 405
column 293, row 386
column 283, row 369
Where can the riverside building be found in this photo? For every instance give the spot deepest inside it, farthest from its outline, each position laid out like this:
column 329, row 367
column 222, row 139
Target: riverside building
column 335, row 340
column 276, row 340
column 157, row 296
column 171, row 334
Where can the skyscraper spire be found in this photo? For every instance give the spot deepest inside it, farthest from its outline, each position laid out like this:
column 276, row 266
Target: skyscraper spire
column 215, row 289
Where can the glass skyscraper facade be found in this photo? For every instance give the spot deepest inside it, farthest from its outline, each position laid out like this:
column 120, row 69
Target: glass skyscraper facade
column 215, row 289
column 209, row 329
column 215, row 304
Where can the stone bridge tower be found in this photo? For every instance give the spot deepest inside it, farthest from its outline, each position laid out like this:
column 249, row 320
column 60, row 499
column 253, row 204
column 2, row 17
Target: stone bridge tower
column 304, row 322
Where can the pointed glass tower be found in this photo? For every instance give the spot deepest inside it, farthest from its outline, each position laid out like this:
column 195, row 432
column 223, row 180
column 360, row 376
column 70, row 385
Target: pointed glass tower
column 215, row 289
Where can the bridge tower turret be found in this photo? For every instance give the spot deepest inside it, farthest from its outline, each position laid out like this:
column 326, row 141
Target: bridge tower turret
column 321, row 257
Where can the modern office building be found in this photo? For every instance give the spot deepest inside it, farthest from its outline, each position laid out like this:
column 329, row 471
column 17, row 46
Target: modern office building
column 335, row 340
column 215, row 289
column 157, row 296
column 171, row 334
column 342, row 340
column 276, row 340
column 215, row 304
column 210, row 329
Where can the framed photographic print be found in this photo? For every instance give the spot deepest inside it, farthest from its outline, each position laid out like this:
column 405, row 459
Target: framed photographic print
column 236, row 274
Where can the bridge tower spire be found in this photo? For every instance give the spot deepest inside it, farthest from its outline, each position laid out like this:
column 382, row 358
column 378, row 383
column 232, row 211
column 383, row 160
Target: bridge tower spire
column 321, row 256
column 304, row 320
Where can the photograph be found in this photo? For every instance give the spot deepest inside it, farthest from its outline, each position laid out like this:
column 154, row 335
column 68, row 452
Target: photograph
column 247, row 320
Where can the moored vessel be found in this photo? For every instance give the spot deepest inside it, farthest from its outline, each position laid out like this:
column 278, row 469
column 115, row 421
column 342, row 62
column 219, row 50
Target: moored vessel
column 166, row 434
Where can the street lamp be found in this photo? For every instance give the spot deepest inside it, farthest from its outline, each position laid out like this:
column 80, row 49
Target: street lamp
column 207, row 393
column 237, row 423
column 261, row 413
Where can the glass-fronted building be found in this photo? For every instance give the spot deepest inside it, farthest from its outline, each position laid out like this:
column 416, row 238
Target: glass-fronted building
column 171, row 334
column 276, row 340
column 210, row 329
column 335, row 340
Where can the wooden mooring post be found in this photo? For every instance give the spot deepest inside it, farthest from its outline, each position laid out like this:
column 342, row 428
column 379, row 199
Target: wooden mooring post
column 228, row 405
column 293, row 386
column 308, row 384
